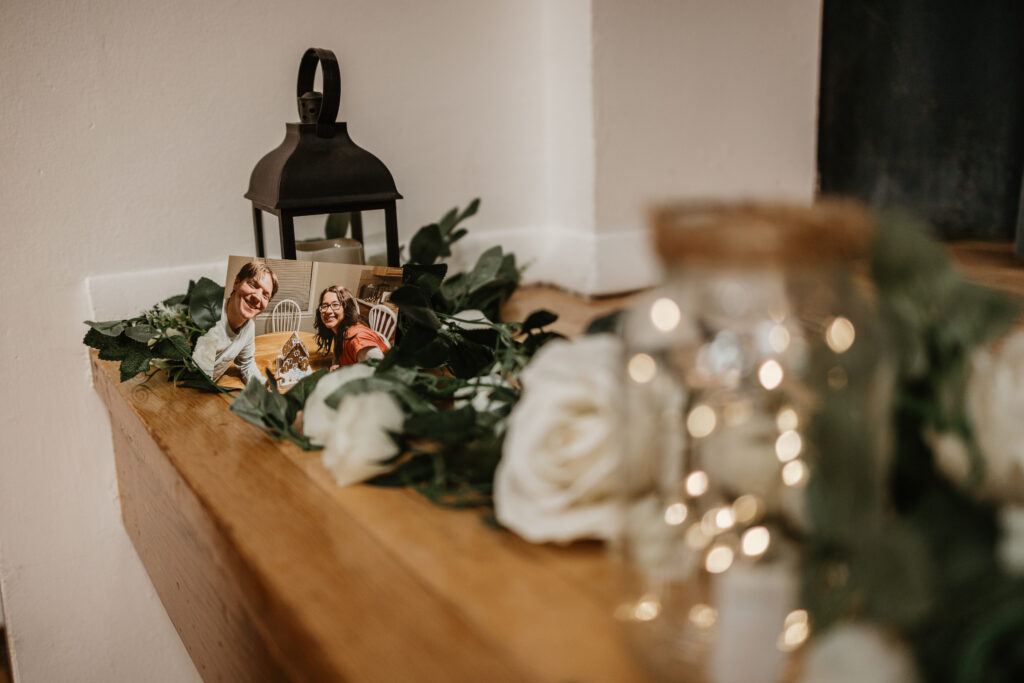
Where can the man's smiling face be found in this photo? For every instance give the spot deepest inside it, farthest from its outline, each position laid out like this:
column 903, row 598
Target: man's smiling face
column 249, row 298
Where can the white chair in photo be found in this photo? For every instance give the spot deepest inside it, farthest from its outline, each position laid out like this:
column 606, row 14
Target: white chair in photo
column 383, row 321
column 285, row 317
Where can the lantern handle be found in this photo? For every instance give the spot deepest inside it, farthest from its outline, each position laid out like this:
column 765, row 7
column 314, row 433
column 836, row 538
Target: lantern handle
column 332, row 87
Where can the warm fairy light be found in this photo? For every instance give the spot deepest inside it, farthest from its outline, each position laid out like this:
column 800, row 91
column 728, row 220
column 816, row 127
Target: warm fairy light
column 839, row 334
column 778, row 338
column 794, row 617
column 746, row 508
column 701, row 421
column 793, row 636
column 719, row 559
column 709, row 523
column 724, row 518
column 697, row 483
column 770, row 374
column 755, row 541
column 696, row 538
column 788, row 446
column 665, row 314
column 787, row 420
column 675, row 514
column 703, row 616
column 642, row 368
column 793, row 473
column 647, row 608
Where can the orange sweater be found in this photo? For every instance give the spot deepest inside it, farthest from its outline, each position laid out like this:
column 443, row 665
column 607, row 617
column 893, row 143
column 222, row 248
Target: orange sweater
column 356, row 338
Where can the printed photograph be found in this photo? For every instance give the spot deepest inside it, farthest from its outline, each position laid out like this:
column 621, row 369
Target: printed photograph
column 294, row 317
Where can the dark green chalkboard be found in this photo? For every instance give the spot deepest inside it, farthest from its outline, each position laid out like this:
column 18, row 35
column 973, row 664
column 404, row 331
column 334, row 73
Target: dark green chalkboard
column 922, row 107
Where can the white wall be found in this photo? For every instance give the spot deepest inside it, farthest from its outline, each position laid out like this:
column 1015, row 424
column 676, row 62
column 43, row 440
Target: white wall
column 127, row 134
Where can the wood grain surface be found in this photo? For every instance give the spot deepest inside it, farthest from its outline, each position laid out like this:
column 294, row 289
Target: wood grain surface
column 270, row 571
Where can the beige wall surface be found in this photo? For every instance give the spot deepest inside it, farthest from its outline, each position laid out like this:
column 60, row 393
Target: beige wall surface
column 127, row 134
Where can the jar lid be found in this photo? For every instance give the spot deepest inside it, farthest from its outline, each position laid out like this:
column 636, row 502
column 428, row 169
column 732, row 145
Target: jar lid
column 754, row 233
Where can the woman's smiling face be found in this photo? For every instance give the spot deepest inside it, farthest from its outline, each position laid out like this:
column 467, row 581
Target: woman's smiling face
column 249, row 299
column 331, row 310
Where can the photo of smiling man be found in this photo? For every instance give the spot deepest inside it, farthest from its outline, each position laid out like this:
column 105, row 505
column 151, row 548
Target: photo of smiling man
column 232, row 339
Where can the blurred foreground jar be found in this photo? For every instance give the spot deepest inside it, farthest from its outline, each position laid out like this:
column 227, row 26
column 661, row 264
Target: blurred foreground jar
column 756, row 362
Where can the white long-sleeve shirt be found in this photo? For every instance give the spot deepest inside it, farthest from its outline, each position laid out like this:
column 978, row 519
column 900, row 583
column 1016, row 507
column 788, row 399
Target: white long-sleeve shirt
column 216, row 350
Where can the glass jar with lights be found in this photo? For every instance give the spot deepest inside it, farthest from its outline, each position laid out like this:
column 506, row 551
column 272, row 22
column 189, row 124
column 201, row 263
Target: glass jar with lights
column 757, row 361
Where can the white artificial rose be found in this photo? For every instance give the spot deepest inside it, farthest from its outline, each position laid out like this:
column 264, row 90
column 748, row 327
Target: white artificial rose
column 317, row 416
column 1011, row 541
column 359, row 441
column 995, row 404
column 556, row 478
column 854, row 653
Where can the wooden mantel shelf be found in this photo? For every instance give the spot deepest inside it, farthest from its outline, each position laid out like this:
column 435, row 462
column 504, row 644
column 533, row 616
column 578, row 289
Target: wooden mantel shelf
column 269, row 571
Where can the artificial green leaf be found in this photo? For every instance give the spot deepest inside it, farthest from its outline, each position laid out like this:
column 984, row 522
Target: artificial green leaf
column 97, row 340
column 135, row 361
column 448, row 221
column 470, row 210
column 535, row 341
column 206, row 299
column 539, row 319
column 426, row 245
column 607, row 323
column 260, row 406
column 175, row 348
column 141, row 333
column 486, row 268
column 174, row 300
column 410, row 295
column 423, row 277
column 468, row 359
column 422, row 315
column 110, row 328
column 120, row 348
column 444, row 426
column 379, row 383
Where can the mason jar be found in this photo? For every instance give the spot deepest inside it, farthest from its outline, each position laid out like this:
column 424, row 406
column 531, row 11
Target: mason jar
column 756, row 362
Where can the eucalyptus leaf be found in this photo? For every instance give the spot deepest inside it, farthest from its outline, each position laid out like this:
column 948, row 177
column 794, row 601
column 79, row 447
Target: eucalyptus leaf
column 448, row 221
column 470, row 210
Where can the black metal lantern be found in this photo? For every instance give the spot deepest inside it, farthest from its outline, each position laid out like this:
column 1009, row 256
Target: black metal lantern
column 318, row 169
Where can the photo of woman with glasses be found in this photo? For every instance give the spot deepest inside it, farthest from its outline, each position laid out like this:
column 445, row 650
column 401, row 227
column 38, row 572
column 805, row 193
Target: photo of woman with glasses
column 232, row 339
column 338, row 329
